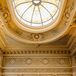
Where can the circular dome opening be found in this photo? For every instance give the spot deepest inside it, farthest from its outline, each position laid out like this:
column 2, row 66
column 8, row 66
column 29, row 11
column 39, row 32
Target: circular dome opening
column 36, row 13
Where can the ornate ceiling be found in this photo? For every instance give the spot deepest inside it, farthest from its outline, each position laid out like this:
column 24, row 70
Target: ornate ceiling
column 63, row 35
column 13, row 29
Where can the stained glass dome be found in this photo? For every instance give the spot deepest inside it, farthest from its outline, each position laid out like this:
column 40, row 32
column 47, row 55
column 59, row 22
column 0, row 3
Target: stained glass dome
column 36, row 13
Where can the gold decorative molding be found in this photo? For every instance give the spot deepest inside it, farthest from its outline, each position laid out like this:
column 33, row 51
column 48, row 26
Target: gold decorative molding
column 24, row 36
column 11, row 51
column 2, row 35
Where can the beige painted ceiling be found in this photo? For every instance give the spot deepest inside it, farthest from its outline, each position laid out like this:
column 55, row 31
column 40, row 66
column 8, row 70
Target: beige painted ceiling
column 66, row 41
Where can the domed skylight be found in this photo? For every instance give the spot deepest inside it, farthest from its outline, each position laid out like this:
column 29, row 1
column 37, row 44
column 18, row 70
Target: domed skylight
column 36, row 13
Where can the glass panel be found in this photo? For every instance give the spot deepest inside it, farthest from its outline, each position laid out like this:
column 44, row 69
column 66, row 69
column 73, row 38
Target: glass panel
column 37, row 12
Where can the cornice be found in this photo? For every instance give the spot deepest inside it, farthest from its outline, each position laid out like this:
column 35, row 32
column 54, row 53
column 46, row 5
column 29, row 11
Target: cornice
column 24, row 51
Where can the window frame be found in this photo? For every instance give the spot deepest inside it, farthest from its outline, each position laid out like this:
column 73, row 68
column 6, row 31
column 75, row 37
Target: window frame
column 31, row 29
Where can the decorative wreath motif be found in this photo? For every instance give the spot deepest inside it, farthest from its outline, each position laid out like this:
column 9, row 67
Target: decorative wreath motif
column 37, row 13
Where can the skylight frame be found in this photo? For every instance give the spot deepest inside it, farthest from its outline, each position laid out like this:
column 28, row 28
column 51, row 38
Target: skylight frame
column 35, row 29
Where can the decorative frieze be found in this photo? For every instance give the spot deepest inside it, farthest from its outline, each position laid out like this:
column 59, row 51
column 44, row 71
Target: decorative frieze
column 24, row 51
column 36, row 64
column 37, row 61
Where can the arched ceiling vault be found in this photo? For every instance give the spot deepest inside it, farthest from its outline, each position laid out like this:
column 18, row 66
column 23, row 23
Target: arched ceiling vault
column 62, row 36
column 11, row 28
